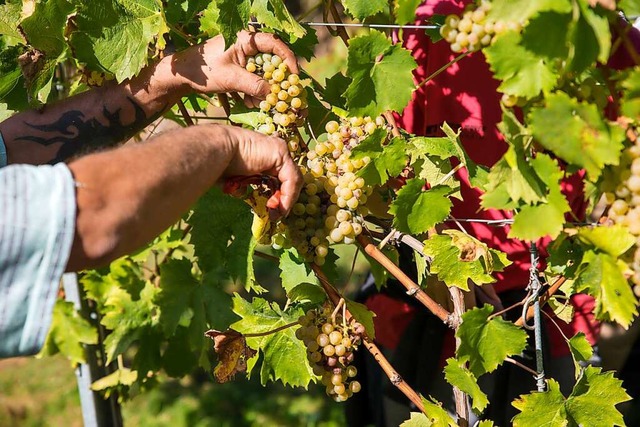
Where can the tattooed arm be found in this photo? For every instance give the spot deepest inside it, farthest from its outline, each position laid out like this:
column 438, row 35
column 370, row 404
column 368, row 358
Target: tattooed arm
column 113, row 113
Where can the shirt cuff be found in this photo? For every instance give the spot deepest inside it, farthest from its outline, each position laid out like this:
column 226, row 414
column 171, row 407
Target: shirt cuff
column 3, row 153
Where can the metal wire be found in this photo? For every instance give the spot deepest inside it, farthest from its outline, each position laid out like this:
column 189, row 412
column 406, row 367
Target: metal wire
column 363, row 25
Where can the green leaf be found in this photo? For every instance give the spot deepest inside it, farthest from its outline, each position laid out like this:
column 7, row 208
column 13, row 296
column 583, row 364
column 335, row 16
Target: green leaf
column 123, row 376
column 307, row 293
column 602, row 277
column 386, row 160
column 274, row 14
column 334, row 89
column 614, row 240
column 591, row 39
column 436, row 414
column 68, row 332
column 458, row 259
column 417, row 419
column 523, row 73
column 362, row 9
column 284, row 357
column 581, row 350
column 115, row 35
column 486, row 343
column 546, row 35
column 457, row 374
column 381, row 73
column 50, row 45
column 405, row 11
column 594, row 399
column 477, row 174
column 631, row 94
column 630, row 7
column 226, row 17
column 361, row 313
column 577, row 132
column 521, row 10
column 527, row 224
column 222, row 238
column 416, row 210
column 303, row 46
column 177, row 285
column 9, row 20
column 126, row 318
column 541, row 408
column 294, row 270
column 562, row 309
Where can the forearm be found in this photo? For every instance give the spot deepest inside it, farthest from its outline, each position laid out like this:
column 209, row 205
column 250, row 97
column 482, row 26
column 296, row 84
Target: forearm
column 119, row 212
column 94, row 119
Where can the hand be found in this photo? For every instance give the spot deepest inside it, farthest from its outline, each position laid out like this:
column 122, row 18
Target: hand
column 255, row 153
column 210, row 68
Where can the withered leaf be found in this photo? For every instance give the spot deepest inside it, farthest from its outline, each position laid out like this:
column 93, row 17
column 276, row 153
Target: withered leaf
column 233, row 352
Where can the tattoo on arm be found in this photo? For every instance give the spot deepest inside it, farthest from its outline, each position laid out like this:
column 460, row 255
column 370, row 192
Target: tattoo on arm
column 80, row 135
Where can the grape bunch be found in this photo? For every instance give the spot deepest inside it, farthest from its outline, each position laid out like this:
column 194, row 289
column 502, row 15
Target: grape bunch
column 625, row 203
column 282, row 110
column 331, row 342
column 473, row 30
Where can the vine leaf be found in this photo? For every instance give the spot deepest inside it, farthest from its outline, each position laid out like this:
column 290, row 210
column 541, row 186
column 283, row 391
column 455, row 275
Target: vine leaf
column 520, row 10
column 436, row 416
column 457, row 374
column 527, row 224
column 283, row 355
column 274, row 14
column 386, row 160
column 127, row 318
column 233, row 353
column 581, row 350
column 590, row 37
column 294, row 270
column 335, row 87
column 381, row 73
column 68, row 332
column 224, row 246
column 362, row 9
column 459, row 258
column 47, row 48
column 307, row 292
column 362, row 314
column 416, row 210
column 592, row 402
column 477, row 174
column 9, row 20
column 115, row 381
column 115, row 35
column 630, row 7
column 577, row 133
column 522, row 73
column 630, row 102
column 226, row 17
column 602, row 277
column 485, row 342
column 614, row 240
column 405, row 10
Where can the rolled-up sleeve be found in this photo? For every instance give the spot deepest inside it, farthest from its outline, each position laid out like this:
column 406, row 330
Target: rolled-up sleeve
column 37, row 222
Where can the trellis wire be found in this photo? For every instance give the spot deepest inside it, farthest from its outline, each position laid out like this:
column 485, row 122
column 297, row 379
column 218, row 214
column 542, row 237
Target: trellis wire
column 363, row 25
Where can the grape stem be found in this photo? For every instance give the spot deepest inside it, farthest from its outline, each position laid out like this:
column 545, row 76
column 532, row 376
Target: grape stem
column 340, row 30
column 441, row 69
column 336, row 310
column 520, row 365
column 185, row 113
column 388, row 115
column 412, row 289
column 391, row 373
column 273, row 331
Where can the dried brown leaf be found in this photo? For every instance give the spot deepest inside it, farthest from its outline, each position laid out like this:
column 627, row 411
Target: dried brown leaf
column 233, row 353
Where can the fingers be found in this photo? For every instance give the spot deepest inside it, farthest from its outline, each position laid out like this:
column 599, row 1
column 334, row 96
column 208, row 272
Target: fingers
column 251, row 84
column 253, row 43
column 290, row 184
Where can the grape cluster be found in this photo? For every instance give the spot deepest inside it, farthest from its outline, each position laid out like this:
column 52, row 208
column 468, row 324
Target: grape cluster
column 625, row 203
column 473, row 30
column 282, row 110
column 331, row 343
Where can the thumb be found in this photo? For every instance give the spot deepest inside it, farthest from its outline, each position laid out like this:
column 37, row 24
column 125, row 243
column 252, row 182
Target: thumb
column 252, row 84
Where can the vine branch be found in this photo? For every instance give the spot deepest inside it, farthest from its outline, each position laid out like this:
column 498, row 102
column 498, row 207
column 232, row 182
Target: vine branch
column 461, row 398
column 412, row 289
column 543, row 298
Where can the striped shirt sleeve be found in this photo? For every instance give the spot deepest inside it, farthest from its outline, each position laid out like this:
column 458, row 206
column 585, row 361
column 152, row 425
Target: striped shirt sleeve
column 37, row 223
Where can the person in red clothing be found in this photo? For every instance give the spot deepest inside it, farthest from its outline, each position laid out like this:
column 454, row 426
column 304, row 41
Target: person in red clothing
column 466, row 97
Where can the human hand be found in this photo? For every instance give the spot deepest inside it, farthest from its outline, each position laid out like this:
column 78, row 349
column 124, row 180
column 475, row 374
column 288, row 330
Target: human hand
column 210, row 68
column 254, row 153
